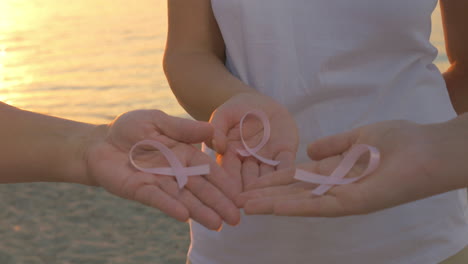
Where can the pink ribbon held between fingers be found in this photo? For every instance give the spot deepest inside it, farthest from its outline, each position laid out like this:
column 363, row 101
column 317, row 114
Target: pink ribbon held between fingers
column 180, row 172
column 338, row 175
column 247, row 151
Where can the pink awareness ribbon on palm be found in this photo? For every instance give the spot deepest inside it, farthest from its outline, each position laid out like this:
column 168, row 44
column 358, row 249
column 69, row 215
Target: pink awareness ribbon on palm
column 180, row 172
column 338, row 175
column 247, row 151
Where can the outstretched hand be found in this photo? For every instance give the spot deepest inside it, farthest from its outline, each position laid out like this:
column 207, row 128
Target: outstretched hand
column 408, row 171
column 281, row 146
column 206, row 199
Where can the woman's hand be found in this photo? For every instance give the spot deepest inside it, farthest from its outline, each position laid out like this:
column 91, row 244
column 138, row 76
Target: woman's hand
column 206, row 199
column 417, row 161
column 281, row 146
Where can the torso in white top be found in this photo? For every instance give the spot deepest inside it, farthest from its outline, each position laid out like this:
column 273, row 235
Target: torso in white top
column 338, row 64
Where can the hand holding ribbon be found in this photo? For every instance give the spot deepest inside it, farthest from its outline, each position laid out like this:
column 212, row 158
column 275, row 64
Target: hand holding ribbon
column 301, row 184
column 247, row 151
column 250, row 147
column 407, row 171
column 338, row 175
column 206, row 197
column 181, row 173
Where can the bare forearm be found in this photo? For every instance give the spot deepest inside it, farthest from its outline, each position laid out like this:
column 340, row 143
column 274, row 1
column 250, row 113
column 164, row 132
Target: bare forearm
column 456, row 79
column 460, row 149
column 201, row 82
column 456, row 40
column 194, row 59
column 38, row 147
column 450, row 148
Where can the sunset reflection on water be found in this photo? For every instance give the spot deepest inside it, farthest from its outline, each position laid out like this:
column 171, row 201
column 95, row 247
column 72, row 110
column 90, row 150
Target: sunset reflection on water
column 86, row 60
column 91, row 59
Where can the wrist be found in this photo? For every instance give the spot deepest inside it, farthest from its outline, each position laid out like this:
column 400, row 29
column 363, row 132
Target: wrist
column 448, row 147
column 77, row 166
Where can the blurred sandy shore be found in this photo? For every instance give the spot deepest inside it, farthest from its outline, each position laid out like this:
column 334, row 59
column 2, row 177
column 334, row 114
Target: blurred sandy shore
column 55, row 223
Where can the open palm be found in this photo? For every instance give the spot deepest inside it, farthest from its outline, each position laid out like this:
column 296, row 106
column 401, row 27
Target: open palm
column 405, row 174
column 207, row 198
column 281, row 146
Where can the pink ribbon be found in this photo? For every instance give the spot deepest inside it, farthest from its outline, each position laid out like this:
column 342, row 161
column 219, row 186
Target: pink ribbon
column 180, row 172
column 337, row 176
column 247, row 151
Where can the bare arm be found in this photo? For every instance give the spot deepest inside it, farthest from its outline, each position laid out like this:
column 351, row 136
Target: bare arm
column 418, row 161
column 194, row 59
column 455, row 21
column 37, row 147
column 41, row 148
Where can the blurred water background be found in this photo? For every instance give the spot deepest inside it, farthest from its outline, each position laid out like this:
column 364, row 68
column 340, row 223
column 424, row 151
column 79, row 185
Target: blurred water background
column 89, row 60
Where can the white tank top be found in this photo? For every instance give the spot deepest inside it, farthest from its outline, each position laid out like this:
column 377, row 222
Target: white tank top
column 338, row 64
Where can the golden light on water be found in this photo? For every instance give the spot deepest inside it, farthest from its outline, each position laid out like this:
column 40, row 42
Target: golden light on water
column 87, row 60
column 3, row 53
column 90, row 60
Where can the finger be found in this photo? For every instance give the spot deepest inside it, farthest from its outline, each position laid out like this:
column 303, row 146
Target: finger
column 231, row 163
column 322, row 206
column 266, row 169
column 332, row 145
column 197, row 210
column 153, row 196
column 267, row 192
column 182, row 129
column 219, row 142
column 322, row 167
column 213, row 198
column 282, row 177
column 249, row 171
column 286, row 176
column 278, row 178
column 267, row 205
column 286, row 159
column 222, row 123
column 218, row 176
column 217, row 190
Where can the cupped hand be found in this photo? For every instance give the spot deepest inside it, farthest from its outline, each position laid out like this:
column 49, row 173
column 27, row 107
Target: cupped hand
column 407, row 172
column 206, row 199
column 281, row 146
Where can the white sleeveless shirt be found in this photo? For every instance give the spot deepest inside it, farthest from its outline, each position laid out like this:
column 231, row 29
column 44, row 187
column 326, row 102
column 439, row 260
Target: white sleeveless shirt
column 336, row 65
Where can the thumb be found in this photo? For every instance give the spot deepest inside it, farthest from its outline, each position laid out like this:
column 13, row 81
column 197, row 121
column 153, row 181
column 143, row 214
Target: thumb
column 332, row 145
column 221, row 122
column 184, row 130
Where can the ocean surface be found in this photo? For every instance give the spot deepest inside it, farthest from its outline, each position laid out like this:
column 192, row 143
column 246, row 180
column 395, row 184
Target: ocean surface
column 89, row 60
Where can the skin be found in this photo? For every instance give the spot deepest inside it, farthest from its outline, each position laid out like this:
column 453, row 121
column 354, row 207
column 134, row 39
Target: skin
column 194, row 59
column 281, row 146
column 59, row 150
column 417, row 161
column 194, row 66
column 456, row 39
column 397, row 133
